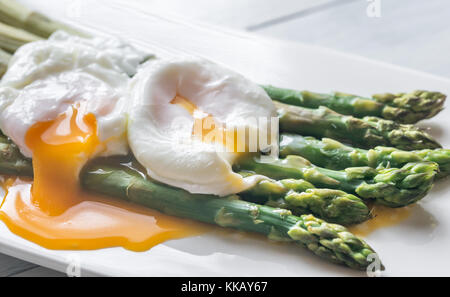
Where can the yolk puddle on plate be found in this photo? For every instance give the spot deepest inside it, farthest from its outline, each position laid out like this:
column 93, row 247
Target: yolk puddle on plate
column 382, row 217
column 54, row 212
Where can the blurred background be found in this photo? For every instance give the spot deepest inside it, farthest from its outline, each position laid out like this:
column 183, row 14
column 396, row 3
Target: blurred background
column 410, row 33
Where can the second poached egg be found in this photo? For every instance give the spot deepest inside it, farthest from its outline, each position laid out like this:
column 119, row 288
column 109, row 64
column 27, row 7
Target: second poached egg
column 191, row 119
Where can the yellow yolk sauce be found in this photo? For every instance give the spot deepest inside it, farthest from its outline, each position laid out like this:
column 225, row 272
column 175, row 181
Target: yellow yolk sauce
column 54, row 212
column 382, row 217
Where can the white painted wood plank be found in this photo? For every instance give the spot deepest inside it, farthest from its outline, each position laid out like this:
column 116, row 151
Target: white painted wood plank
column 231, row 13
column 10, row 266
column 39, row 272
column 411, row 33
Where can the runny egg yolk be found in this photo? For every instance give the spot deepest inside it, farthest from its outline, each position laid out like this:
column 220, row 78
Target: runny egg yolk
column 60, row 148
column 56, row 213
column 208, row 130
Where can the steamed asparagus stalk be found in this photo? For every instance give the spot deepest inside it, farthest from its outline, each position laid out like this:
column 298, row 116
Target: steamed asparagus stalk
column 17, row 15
column 297, row 195
column 334, row 155
column 407, row 108
column 393, row 187
column 331, row 242
column 367, row 132
column 12, row 38
column 12, row 163
column 301, row 197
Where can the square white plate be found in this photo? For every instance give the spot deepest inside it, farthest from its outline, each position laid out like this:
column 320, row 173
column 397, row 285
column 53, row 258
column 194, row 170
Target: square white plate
column 417, row 246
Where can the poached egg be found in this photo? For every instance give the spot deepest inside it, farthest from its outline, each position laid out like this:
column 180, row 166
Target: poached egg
column 191, row 119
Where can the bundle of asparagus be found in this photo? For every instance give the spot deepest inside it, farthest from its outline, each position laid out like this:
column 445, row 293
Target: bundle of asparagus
column 329, row 241
column 293, row 184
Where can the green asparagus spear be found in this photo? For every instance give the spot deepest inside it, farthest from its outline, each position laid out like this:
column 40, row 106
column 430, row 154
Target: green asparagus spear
column 403, row 108
column 419, row 102
column 367, row 132
column 12, row 38
column 301, row 197
column 393, row 187
column 332, row 154
column 17, row 15
column 12, row 161
column 329, row 241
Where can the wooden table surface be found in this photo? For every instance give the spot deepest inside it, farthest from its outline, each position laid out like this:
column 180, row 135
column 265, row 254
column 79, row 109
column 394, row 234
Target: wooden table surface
column 410, row 33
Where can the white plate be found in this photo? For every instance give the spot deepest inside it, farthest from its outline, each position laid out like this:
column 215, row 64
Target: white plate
column 418, row 246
